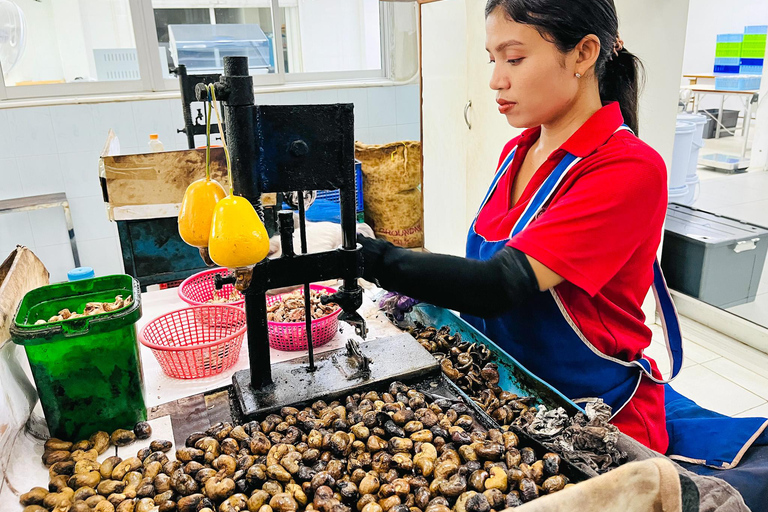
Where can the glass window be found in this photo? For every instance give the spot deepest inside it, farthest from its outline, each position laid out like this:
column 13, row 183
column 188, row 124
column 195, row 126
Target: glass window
column 331, row 35
column 62, row 42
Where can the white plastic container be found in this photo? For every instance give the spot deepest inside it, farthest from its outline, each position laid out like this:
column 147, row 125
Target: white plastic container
column 691, row 177
column 681, row 154
column 155, row 146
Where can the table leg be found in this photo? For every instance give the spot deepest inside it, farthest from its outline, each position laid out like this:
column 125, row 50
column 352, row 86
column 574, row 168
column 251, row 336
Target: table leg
column 71, row 232
column 720, row 116
column 745, row 129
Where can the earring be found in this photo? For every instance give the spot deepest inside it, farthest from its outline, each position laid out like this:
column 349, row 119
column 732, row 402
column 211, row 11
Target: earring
column 578, row 75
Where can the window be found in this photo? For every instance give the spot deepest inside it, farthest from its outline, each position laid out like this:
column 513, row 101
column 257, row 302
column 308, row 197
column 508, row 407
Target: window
column 331, row 35
column 51, row 47
column 66, row 42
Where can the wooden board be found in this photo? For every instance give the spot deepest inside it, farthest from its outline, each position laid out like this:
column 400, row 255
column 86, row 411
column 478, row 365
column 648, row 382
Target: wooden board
column 158, row 178
column 194, row 413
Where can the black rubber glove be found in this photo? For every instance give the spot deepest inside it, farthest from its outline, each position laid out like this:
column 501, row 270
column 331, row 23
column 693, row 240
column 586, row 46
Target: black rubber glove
column 481, row 288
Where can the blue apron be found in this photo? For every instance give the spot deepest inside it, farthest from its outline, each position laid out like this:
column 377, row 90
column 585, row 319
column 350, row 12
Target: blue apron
column 542, row 335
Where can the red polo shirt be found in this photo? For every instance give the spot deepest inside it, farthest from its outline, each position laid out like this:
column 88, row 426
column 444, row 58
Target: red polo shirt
column 600, row 233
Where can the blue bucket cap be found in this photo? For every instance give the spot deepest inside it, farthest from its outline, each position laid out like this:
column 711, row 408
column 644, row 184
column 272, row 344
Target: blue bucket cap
column 80, row 273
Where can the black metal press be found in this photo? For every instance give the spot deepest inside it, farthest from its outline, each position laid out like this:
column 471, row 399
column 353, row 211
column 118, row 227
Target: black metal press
column 298, row 148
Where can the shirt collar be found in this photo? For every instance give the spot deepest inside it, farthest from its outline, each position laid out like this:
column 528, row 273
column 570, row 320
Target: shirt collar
column 590, row 136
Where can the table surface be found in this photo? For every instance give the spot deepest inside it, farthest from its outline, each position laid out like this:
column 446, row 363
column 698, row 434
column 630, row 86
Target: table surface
column 170, row 400
column 711, row 88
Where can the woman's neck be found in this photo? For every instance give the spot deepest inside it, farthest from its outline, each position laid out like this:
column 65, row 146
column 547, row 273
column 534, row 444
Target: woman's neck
column 558, row 130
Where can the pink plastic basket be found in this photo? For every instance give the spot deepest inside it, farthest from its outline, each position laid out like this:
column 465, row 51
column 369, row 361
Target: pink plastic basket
column 197, row 290
column 196, row 342
column 293, row 335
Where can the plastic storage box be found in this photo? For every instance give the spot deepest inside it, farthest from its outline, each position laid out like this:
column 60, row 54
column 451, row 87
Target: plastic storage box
column 756, row 29
column 753, row 46
column 88, row 369
column 716, row 259
column 751, row 66
column 202, row 47
column 326, row 205
column 728, row 65
column 737, row 83
column 729, row 45
column 730, row 119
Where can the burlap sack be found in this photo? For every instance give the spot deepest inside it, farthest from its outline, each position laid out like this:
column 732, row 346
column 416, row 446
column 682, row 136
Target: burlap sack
column 392, row 191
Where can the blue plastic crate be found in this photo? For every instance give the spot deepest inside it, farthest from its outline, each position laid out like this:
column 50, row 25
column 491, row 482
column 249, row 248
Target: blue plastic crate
column 750, row 70
column 747, row 62
column 756, row 29
column 730, row 61
column 729, row 70
column 333, row 195
column 730, row 38
column 737, row 83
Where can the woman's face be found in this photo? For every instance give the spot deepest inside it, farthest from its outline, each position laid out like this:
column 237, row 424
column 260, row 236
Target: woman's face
column 531, row 76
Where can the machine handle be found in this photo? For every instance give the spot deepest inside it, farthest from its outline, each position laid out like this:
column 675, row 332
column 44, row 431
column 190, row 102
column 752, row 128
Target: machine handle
column 466, row 111
column 746, row 245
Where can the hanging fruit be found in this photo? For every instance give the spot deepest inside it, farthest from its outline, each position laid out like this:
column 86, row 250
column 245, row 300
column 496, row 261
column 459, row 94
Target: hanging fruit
column 196, row 211
column 238, row 238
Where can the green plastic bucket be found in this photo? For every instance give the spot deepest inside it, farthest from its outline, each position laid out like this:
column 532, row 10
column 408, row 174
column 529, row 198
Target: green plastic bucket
column 87, row 369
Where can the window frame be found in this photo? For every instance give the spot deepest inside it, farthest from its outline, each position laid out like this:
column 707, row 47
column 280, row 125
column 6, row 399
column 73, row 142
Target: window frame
column 152, row 79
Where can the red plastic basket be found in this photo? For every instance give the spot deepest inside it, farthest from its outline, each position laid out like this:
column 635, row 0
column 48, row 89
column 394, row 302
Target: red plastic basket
column 196, row 342
column 197, row 289
column 293, row 335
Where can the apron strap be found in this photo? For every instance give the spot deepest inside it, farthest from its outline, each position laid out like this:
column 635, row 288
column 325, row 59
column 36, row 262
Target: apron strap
column 670, row 323
column 664, row 305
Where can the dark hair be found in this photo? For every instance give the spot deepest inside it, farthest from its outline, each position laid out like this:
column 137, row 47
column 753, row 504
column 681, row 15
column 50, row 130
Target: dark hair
column 565, row 23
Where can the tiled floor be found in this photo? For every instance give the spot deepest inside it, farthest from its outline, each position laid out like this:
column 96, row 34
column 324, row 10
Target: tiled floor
column 719, row 373
column 742, row 196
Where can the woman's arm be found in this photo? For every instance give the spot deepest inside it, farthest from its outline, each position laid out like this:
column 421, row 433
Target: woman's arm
column 481, row 288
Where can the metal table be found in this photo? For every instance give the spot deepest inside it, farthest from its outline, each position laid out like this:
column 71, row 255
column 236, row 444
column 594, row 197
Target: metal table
column 26, row 204
column 721, row 160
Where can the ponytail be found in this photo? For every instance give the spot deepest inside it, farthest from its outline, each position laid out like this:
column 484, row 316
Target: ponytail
column 565, row 23
column 622, row 81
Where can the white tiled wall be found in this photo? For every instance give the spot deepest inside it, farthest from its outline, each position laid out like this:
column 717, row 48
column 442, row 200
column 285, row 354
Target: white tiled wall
column 56, row 149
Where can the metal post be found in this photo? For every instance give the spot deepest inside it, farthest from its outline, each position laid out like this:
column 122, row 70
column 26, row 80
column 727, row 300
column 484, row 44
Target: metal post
column 307, row 291
column 720, row 116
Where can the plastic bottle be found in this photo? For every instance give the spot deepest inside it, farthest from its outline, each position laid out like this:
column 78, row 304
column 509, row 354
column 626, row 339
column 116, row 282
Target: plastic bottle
column 154, row 144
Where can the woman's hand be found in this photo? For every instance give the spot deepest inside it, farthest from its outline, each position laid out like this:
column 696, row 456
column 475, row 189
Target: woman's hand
column 373, row 251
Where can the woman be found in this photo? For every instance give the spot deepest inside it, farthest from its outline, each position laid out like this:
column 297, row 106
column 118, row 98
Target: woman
column 562, row 251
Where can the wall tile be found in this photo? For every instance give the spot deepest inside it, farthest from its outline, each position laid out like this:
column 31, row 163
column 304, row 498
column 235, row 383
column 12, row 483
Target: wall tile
column 382, row 106
column 57, row 259
column 382, row 134
column 10, row 180
column 80, row 172
column 49, row 227
column 117, row 116
column 360, row 98
column 408, row 104
column 102, row 255
column 363, row 135
column 409, row 131
column 15, row 229
column 153, row 117
column 322, row 96
column 40, row 174
column 7, row 146
column 74, row 128
column 32, row 131
column 89, row 216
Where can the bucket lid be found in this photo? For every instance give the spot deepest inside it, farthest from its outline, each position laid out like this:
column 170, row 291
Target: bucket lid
column 79, row 273
column 685, row 127
column 692, row 118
